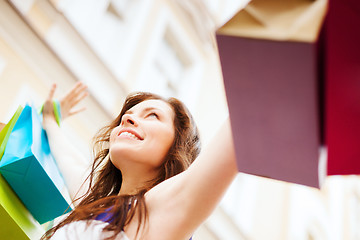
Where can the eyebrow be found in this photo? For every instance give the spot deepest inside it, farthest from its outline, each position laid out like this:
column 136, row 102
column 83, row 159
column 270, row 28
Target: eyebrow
column 145, row 110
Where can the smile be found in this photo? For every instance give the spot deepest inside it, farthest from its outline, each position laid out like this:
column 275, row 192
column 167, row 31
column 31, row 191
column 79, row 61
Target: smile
column 128, row 134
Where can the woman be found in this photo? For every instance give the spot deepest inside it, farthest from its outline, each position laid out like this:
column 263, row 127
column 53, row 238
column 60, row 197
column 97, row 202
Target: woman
column 141, row 184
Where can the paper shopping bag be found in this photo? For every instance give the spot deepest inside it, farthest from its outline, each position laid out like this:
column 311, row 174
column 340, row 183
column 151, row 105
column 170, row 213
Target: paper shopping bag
column 343, row 87
column 269, row 58
column 29, row 168
column 6, row 130
column 16, row 222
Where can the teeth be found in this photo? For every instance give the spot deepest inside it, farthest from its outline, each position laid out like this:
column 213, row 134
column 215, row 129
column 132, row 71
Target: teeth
column 129, row 135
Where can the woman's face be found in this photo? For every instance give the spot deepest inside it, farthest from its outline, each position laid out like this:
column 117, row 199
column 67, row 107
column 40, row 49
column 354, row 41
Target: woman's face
column 144, row 136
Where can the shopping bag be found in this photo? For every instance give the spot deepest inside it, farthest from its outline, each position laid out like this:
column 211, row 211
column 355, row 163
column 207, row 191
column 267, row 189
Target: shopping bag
column 6, row 130
column 342, row 66
column 29, row 168
column 16, row 222
column 269, row 58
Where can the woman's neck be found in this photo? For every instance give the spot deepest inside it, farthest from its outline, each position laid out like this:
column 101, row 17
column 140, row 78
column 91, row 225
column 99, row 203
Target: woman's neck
column 132, row 184
column 129, row 187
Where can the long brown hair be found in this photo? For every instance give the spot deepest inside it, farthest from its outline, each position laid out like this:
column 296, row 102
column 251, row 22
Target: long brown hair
column 105, row 179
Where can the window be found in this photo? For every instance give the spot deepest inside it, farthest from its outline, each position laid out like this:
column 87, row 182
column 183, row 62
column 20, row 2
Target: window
column 170, row 64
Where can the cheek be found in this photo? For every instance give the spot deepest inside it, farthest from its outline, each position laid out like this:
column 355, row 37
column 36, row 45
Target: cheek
column 159, row 156
column 167, row 142
column 113, row 135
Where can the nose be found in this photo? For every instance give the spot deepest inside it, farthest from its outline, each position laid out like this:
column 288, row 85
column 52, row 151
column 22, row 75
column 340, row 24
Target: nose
column 129, row 119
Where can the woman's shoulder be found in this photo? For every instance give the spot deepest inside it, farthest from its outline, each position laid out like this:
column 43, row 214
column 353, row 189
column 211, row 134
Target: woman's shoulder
column 89, row 230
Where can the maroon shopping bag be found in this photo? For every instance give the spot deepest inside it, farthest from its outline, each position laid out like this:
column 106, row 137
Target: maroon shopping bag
column 269, row 58
column 343, row 87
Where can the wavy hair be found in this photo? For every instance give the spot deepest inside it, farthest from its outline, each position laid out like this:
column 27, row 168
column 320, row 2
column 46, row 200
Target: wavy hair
column 105, row 179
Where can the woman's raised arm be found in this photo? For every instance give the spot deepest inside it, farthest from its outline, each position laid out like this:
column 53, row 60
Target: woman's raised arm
column 186, row 200
column 70, row 161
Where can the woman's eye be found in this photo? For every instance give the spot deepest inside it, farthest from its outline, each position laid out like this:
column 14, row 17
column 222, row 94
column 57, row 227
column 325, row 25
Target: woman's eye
column 153, row 115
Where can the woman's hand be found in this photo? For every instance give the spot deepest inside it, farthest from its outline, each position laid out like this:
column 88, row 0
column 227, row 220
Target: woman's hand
column 71, row 162
column 2, row 125
column 67, row 103
column 71, row 99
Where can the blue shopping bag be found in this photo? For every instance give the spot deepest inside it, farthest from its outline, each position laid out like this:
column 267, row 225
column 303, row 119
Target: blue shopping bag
column 29, row 168
column 16, row 222
column 5, row 132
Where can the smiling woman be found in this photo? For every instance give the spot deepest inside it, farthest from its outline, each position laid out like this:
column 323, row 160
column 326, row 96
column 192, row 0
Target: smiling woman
column 151, row 122
column 141, row 184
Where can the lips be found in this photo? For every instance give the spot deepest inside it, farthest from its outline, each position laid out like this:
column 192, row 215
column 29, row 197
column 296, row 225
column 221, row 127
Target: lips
column 127, row 132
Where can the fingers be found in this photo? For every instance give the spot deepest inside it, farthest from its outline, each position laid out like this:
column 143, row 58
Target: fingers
column 2, row 125
column 47, row 109
column 75, row 95
column 51, row 93
column 77, row 90
column 73, row 112
column 78, row 98
column 72, row 98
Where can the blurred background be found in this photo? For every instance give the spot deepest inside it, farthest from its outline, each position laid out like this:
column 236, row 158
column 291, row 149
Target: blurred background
column 167, row 47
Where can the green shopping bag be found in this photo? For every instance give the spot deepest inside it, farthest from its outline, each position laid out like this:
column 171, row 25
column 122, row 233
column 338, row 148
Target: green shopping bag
column 16, row 222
